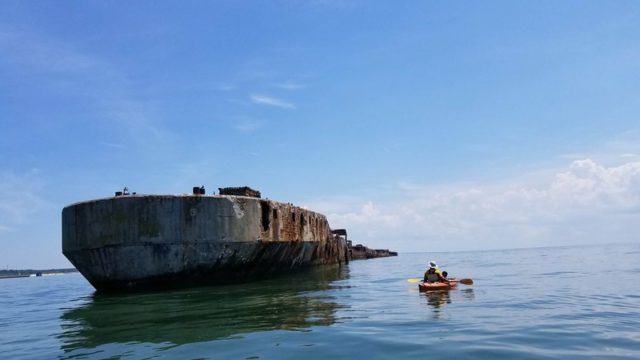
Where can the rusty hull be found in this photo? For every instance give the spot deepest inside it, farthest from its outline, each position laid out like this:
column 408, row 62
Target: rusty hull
column 163, row 241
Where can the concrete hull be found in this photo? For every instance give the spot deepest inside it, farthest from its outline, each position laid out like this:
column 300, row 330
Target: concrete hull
column 141, row 242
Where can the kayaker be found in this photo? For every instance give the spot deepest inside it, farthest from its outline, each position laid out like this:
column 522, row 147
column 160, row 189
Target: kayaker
column 433, row 274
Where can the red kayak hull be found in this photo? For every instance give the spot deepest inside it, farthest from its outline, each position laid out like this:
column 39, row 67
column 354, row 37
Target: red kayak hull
column 422, row 286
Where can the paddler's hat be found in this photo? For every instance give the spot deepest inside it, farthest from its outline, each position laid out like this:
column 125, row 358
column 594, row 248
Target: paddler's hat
column 432, row 264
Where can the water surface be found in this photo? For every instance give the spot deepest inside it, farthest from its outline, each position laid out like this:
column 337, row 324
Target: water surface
column 563, row 303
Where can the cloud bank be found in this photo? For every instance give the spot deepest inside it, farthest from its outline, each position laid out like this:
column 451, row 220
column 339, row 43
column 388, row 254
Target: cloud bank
column 584, row 203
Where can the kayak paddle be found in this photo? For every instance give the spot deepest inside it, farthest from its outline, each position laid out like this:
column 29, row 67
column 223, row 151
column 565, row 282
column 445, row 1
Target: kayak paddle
column 463, row 281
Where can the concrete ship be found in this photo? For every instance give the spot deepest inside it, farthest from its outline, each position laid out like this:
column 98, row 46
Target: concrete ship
column 132, row 241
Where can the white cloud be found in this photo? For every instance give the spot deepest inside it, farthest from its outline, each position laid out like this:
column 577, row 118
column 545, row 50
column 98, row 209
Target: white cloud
column 586, row 202
column 326, row 5
column 113, row 145
column 109, row 91
column 19, row 198
column 23, row 48
column 291, row 85
column 137, row 118
column 247, row 125
column 270, row 101
column 224, row 87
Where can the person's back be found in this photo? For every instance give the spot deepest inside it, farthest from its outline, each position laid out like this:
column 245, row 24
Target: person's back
column 433, row 274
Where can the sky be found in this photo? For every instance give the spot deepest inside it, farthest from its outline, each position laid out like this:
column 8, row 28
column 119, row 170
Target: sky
column 415, row 125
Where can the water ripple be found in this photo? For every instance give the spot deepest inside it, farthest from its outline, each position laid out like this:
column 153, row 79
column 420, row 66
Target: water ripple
column 516, row 309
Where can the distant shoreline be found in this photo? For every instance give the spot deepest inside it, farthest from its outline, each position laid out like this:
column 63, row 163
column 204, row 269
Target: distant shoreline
column 11, row 274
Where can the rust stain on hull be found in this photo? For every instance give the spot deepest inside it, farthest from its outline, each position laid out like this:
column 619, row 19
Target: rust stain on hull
column 158, row 241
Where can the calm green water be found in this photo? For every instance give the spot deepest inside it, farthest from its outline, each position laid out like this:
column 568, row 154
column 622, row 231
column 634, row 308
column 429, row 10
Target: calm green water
column 573, row 302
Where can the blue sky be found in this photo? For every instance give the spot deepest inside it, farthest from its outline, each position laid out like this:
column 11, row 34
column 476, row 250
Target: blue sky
column 417, row 125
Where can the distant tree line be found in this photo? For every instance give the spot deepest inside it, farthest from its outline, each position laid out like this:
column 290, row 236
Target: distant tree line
column 29, row 272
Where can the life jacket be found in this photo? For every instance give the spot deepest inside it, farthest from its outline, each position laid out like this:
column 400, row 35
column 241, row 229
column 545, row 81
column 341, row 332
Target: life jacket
column 431, row 275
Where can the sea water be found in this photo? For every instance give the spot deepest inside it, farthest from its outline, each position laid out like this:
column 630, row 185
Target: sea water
column 561, row 303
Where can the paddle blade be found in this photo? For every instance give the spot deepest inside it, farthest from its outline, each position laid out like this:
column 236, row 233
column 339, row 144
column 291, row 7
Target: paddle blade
column 466, row 281
column 413, row 281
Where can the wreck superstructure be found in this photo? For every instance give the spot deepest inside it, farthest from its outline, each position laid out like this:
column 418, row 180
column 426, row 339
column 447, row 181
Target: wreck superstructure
column 160, row 241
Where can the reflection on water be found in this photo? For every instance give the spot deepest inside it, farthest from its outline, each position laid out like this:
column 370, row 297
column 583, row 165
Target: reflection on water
column 468, row 294
column 294, row 302
column 438, row 299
